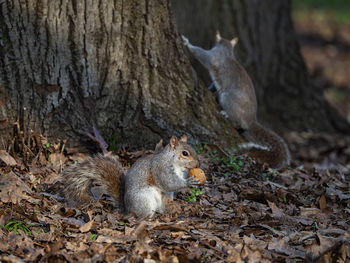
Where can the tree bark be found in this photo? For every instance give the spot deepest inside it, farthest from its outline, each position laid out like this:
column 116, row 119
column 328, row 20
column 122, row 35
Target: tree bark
column 269, row 50
column 67, row 66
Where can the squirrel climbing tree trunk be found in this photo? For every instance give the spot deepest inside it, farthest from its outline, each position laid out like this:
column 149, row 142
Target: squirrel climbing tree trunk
column 269, row 50
column 67, row 66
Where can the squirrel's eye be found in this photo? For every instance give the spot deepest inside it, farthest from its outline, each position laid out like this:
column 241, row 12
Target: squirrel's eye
column 185, row 153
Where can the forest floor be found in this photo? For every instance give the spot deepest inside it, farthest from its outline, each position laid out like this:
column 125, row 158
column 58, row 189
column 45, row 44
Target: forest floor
column 245, row 213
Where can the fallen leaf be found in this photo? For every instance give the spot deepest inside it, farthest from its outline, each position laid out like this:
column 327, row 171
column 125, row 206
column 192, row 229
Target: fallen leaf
column 57, row 161
column 322, row 202
column 341, row 195
column 281, row 246
column 51, row 178
column 87, row 226
column 320, row 246
column 14, row 190
column 275, row 210
column 6, row 158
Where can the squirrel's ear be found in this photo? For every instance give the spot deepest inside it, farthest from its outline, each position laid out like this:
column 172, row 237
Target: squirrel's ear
column 183, row 138
column 217, row 36
column 159, row 146
column 234, row 41
column 173, row 142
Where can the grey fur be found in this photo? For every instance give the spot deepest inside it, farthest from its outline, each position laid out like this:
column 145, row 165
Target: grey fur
column 169, row 172
column 236, row 95
column 145, row 185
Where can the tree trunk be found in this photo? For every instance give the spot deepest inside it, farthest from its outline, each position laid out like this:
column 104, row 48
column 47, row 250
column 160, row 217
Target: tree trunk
column 67, row 66
column 269, row 50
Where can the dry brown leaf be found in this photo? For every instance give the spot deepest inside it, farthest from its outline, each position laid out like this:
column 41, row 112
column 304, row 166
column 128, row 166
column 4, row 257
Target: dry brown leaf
column 140, row 231
column 105, row 239
column 234, row 254
column 57, row 160
column 255, row 256
column 322, row 202
column 281, row 246
column 42, row 159
column 10, row 259
column 331, row 191
column 39, row 236
column 309, row 211
column 320, row 247
column 4, row 218
column 6, row 158
column 76, row 247
column 87, row 226
column 56, row 219
column 275, row 210
column 20, row 245
column 14, row 190
column 51, row 178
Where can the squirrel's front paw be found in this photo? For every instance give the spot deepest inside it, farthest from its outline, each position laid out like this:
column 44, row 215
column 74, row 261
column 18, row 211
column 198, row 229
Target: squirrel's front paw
column 224, row 113
column 191, row 181
column 212, row 87
column 185, row 40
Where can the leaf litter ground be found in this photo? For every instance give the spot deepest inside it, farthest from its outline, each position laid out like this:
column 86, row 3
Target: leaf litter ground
column 245, row 213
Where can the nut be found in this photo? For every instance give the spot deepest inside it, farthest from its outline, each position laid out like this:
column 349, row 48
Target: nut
column 198, row 173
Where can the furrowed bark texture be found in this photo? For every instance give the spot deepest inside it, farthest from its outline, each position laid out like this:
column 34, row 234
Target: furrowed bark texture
column 269, row 50
column 120, row 65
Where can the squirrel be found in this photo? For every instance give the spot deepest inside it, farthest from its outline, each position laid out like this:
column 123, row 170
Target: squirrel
column 141, row 191
column 236, row 95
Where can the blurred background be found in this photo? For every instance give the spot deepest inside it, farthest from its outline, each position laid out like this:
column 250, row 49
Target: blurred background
column 323, row 30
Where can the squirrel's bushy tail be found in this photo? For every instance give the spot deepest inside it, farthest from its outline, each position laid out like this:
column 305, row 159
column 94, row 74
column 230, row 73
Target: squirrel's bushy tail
column 266, row 146
column 102, row 172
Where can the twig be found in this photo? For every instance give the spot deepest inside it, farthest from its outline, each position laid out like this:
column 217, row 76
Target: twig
column 220, row 149
column 205, row 243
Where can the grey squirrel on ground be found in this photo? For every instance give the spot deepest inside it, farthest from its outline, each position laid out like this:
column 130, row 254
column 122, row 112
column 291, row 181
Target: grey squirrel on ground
column 236, row 96
column 143, row 189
